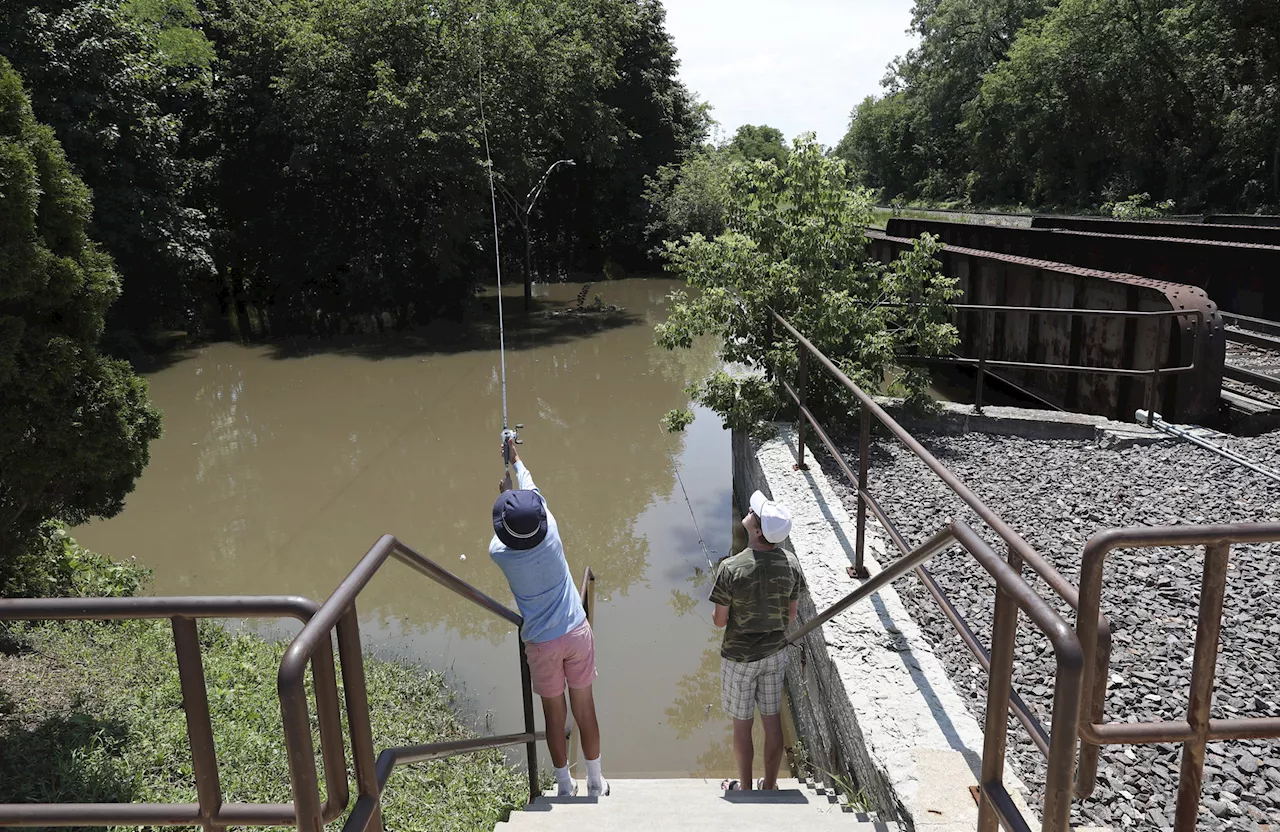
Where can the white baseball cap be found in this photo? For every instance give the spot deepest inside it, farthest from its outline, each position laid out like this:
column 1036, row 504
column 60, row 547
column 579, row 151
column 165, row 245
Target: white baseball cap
column 775, row 520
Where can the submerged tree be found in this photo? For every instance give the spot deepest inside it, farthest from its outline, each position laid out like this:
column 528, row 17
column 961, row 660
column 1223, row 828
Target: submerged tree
column 74, row 426
column 795, row 243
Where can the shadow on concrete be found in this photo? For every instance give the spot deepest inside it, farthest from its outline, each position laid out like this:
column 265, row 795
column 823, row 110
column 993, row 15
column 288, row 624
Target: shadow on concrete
column 922, row 683
column 769, row 797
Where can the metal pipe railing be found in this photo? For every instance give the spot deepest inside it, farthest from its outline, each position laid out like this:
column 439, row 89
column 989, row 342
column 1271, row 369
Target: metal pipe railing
column 314, row 646
column 339, row 611
column 1198, row 729
column 1013, row 593
column 210, row 812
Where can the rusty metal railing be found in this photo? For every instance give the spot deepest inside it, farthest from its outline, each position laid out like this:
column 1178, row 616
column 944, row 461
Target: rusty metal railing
column 984, row 365
column 339, row 612
column 1058, row 744
column 314, row 646
column 210, row 812
column 1198, row 728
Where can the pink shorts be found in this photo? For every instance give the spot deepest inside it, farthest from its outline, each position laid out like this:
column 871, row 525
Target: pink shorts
column 571, row 658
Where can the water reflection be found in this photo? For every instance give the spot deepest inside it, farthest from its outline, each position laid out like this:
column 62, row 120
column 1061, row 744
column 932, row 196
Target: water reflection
column 281, row 465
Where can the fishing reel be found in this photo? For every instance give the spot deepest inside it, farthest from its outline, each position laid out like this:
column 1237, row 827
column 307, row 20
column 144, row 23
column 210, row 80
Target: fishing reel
column 508, row 434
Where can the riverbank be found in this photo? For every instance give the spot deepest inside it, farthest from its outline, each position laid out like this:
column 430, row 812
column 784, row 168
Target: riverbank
column 92, row 712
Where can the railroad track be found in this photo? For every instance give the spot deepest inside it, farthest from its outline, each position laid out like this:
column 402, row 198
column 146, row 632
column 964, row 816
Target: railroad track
column 1251, row 375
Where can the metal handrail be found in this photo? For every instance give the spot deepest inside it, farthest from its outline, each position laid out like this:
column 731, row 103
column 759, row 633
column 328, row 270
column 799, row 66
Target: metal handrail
column 210, row 812
column 339, row 611
column 1058, row 744
column 1198, row 728
column 1152, row 374
column 314, row 646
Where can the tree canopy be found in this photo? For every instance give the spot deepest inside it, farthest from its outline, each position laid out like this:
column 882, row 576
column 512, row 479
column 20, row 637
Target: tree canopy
column 316, row 166
column 1072, row 103
column 794, row 242
column 753, row 143
column 74, row 426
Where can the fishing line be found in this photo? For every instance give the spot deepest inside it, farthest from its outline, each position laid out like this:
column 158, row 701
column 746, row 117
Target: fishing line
column 507, row 433
column 694, row 517
column 497, row 257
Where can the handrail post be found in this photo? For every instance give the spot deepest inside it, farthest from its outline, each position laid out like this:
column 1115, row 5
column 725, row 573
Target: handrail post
column 526, row 688
column 982, row 361
column 864, row 461
column 359, row 722
column 1004, row 633
column 804, row 396
column 1153, row 383
column 1213, row 586
column 195, row 702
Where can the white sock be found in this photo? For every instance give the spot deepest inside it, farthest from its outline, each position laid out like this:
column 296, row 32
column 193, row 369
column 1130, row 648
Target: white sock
column 564, row 783
column 595, row 782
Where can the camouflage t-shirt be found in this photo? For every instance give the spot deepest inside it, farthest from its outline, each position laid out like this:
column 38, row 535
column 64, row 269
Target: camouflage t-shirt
column 758, row 588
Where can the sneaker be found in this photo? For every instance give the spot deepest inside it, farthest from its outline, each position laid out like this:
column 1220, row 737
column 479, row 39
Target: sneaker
column 572, row 791
column 598, row 791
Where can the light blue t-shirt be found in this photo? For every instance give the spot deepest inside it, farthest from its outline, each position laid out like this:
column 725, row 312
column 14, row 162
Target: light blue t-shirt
column 540, row 579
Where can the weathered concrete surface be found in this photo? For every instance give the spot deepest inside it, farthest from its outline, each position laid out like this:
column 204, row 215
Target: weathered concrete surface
column 870, row 695
column 953, row 417
column 660, row 805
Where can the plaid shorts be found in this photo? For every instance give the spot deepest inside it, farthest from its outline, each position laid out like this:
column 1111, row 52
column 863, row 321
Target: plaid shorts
column 744, row 685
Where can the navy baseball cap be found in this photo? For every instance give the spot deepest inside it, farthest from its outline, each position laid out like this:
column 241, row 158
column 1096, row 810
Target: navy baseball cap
column 520, row 519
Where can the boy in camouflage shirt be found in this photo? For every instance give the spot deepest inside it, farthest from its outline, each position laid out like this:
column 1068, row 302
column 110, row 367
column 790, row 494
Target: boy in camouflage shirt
column 756, row 592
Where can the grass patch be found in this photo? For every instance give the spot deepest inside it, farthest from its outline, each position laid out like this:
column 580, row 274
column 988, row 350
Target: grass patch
column 92, row 712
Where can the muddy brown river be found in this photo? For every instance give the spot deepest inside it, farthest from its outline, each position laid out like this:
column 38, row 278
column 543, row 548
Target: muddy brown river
column 280, row 465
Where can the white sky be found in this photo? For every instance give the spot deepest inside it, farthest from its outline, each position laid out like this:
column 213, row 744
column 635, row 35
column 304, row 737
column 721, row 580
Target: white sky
column 797, row 65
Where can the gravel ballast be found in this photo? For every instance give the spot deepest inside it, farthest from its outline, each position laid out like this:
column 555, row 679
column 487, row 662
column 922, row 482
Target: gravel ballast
column 1057, row 494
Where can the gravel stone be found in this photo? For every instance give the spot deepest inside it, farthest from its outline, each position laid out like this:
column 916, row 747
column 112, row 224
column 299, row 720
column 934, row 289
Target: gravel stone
column 1057, row 494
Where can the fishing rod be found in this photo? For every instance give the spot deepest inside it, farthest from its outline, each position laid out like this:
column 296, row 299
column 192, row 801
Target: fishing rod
column 508, row 434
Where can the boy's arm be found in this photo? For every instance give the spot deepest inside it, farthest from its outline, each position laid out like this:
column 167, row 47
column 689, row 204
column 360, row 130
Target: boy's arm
column 524, row 479
column 798, row 586
column 721, row 596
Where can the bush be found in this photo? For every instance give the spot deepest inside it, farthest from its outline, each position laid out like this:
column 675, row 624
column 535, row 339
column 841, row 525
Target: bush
column 55, row 566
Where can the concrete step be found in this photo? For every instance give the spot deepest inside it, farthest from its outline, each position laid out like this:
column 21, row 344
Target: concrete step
column 687, row 804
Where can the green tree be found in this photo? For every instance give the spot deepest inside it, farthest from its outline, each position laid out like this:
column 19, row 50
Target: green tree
column 759, row 143
column 910, row 141
column 795, row 243
column 1073, row 103
column 352, row 179
column 690, row 197
column 74, row 426
column 113, row 82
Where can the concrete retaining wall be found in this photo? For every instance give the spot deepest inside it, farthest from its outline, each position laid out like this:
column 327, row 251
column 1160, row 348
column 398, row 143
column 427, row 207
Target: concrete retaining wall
column 869, row 695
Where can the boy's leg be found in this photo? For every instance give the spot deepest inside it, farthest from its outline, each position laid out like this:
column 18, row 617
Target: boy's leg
column 584, row 714
column 772, row 749
column 554, row 714
column 580, row 672
column 738, row 699
column 743, row 751
column 773, row 671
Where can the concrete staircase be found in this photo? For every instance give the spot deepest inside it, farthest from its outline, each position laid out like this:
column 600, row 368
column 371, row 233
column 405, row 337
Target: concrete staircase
column 660, row 805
